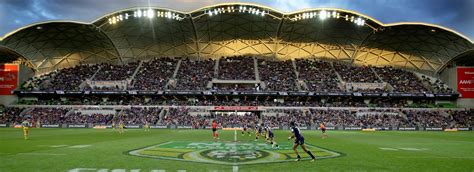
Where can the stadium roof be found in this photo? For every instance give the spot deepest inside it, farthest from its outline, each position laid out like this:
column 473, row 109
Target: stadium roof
column 237, row 28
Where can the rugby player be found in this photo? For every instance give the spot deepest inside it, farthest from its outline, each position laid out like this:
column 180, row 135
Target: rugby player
column 258, row 131
column 323, row 130
column 147, row 126
column 246, row 128
column 299, row 141
column 26, row 128
column 215, row 134
column 270, row 137
column 121, row 126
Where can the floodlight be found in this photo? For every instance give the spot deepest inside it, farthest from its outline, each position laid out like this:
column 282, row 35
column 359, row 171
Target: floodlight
column 151, row 14
column 139, row 13
column 322, row 15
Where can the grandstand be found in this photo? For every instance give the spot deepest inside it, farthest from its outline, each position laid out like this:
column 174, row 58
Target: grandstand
column 340, row 67
column 238, row 64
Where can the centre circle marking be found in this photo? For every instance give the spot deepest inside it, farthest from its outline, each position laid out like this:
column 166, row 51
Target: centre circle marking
column 227, row 153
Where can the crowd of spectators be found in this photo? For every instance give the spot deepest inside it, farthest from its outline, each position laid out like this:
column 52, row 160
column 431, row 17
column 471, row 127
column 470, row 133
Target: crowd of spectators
column 356, row 73
column 310, row 75
column 36, row 82
column 402, row 81
column 46, row 116
column 109, row 72
column 79, row 118
column 10, row 114
column 437, row 86
column 154, row 74
column 71, row 78
column 463, row 118
column 199, row 118
column 136, row 115
column 194, row 75
column 427, row 118
column 236, row 68
column 277, row 75
column 318, row 75
column 291, row 102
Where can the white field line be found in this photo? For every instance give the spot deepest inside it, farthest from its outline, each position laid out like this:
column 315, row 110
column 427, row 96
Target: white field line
column 235, row 168
column 434, row 157
column 46, row 154
column 235, row 135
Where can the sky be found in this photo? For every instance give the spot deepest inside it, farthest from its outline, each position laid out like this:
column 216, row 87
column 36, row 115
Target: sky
column 454, row 14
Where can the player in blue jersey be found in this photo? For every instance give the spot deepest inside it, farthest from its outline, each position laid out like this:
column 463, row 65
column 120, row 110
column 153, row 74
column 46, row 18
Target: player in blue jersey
column 258, row 131
column 299, row 141
column 270, row 137
column 246, row 128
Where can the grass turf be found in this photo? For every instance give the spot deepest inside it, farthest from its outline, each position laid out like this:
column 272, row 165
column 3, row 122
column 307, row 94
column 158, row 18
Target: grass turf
column 53, row 150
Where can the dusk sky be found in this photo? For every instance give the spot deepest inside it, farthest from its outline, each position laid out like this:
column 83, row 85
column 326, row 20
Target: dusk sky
column 454, row 14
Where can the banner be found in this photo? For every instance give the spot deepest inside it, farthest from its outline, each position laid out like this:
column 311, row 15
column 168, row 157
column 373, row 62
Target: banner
column 247, row 108
column 50, row 126
column 434, row 129
column 407, row 129
column 3, row 125
column 352, row 128
column 466, row 81
column 76, row 126
column 8, row 78
column 132, row 126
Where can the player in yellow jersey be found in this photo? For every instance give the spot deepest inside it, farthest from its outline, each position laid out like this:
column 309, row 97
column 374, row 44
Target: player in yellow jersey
column 121, row 127
column 26, row 129
column 147, row 126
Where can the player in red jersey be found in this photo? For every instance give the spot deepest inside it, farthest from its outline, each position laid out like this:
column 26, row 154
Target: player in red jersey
column 323, row 130
column 215, row 134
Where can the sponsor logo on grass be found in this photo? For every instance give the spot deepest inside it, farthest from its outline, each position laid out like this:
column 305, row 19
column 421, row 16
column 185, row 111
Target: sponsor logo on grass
column 228, row 153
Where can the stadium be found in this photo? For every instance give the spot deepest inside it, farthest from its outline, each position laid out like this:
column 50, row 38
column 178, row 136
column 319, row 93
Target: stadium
column 234, row 87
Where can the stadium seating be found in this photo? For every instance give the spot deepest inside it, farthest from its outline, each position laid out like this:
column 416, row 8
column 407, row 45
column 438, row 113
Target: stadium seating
column 110, row 72
column 73, row 77
column 365, row 118
column 401, row 81
column 154, row 74
column 194, row 75
column 313, row 75
column 277, row 75
column 356, row 74
column 318, row 75
column 437, row 86
column 236, row 68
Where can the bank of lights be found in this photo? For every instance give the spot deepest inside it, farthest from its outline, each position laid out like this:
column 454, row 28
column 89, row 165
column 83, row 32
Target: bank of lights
column 232, row 9
column 146, row 13
column 323, row 15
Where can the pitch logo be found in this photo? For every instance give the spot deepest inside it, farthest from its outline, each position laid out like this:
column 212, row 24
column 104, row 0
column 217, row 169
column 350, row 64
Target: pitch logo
column 231, row 153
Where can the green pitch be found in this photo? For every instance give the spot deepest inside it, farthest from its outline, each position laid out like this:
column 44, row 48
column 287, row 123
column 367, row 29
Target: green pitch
column 193, row 150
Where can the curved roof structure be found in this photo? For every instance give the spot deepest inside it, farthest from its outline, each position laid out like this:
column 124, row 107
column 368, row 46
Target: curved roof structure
column 60, row 44
column 237, row 29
